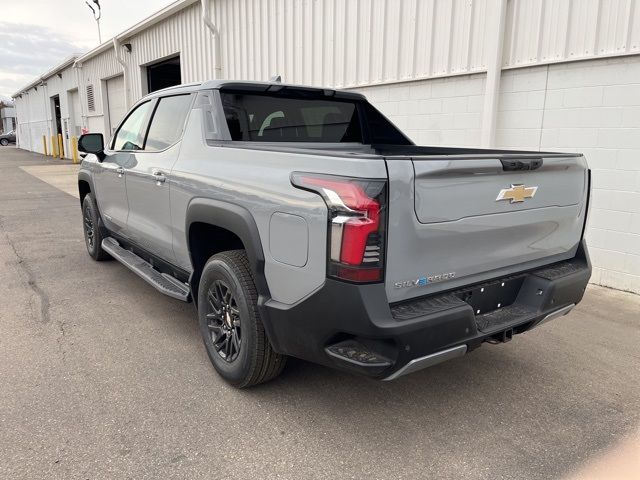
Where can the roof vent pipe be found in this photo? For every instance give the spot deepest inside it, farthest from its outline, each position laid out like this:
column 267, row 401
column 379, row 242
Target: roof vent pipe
column 206, row 18
column 116, row 48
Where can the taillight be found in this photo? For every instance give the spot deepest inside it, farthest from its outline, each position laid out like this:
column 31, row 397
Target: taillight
column 357, row 222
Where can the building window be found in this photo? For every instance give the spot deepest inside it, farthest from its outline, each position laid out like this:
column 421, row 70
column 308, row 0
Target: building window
column 91, row 102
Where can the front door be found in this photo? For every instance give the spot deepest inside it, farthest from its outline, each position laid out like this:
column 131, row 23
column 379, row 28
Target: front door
column 110, row 177
column 112, row 190
column 149, row 178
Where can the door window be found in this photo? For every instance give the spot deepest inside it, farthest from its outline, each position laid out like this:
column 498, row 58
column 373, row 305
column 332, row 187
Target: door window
column 130, row 135
column 168, row 122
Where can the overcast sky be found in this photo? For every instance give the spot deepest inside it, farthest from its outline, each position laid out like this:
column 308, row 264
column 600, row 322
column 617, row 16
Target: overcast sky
column 36, row 35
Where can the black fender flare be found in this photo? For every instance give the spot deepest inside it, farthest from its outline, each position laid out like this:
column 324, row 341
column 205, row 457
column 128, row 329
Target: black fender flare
column 84, row 176
column 239, row 221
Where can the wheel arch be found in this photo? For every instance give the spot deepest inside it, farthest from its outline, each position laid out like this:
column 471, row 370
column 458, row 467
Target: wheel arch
column 85, row 185
column 232, row 226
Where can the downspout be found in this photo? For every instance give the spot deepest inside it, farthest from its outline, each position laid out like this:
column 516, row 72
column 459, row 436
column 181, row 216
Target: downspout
column 116, row 48
column 48, row 121
column 494, row 72
column 29, row 123
column 77, row 67
column 206, row 18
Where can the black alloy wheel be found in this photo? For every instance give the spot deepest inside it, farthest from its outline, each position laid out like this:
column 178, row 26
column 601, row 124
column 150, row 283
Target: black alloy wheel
column 230, row 322
column 223, row 321
column 89, row 229
column 94, row 233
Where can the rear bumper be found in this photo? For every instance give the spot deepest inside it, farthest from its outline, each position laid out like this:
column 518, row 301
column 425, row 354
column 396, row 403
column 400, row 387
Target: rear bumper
column 353, row 327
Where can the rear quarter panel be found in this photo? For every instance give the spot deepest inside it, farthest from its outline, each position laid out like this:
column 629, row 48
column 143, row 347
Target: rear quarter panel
column 260, row 182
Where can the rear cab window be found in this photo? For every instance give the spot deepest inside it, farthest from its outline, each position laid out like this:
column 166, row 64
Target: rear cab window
column 274, row 117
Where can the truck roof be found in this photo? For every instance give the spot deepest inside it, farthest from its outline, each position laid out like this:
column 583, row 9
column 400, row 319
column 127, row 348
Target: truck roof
column 247, row 85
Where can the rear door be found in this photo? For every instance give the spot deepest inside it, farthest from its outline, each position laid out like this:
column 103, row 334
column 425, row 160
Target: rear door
column 149, row 178
column 461, row 220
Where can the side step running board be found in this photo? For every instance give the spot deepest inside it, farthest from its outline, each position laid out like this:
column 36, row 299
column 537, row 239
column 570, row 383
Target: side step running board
column 162, row 282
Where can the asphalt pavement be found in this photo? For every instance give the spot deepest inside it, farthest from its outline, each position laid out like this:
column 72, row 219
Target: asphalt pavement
column 103, row 377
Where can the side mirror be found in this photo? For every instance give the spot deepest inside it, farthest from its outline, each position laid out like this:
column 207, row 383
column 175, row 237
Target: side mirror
column 92, row 143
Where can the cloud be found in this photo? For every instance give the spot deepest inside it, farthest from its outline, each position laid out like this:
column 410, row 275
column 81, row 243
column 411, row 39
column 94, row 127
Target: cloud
column 27, row 51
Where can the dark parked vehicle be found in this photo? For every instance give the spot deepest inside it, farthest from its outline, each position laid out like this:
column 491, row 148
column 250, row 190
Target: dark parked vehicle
column 7, row 138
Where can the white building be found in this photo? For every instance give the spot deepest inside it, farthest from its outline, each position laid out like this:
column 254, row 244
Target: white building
column 530, row 74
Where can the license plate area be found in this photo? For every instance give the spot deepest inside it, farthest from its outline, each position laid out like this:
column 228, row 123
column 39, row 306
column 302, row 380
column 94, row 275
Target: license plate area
column 492, row 296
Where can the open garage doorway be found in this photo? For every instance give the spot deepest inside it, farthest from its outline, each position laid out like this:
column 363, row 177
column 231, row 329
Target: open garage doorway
column 57, row 116
column 163, row 74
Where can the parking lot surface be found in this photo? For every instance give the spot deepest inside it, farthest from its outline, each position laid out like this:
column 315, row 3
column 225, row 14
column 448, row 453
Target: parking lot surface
column 103, row 377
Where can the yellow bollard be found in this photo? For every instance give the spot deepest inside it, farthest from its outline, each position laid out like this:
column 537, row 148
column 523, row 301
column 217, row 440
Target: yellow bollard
column 60, row 146
column 74, row 149
column 54, row 146
column 44, row 144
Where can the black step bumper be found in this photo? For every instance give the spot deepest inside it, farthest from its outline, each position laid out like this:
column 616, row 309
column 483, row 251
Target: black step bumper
column 353, row 327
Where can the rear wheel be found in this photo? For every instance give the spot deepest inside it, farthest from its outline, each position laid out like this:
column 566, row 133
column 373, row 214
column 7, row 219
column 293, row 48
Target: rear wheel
column 93, row 232
column 230, row 323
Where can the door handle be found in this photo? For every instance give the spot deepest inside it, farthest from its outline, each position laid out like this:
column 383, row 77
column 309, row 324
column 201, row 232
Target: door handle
column 120, row 171
column 159, row 177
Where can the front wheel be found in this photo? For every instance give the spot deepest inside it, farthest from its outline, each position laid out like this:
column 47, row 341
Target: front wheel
column 230, row 323
column 4, row 142
column 93, row 232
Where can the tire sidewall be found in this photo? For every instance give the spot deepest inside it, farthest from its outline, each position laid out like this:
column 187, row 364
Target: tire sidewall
column 88, row 206
column 237, row 371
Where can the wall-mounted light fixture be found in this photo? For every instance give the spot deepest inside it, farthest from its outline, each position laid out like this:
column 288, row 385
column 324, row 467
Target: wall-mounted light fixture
column 127, row 46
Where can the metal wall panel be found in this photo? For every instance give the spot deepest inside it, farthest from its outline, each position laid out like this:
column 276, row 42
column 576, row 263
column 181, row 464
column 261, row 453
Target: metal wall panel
column 545, row 31
column 350, row 43
column 32, row 121
column 34, row 110
column 182, row 34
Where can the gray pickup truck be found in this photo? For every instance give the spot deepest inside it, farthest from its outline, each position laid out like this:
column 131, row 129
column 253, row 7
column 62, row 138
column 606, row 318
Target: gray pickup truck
column 301, row 222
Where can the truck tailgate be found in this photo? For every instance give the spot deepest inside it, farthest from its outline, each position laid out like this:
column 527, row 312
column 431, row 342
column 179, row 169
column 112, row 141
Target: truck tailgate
column 457, row 221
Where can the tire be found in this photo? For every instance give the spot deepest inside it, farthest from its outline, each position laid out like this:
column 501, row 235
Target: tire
column 94, row 232
column 4, row 142
column 230, row 323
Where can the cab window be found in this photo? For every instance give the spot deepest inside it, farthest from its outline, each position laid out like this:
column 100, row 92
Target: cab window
column 130, row 135
column 167, row 122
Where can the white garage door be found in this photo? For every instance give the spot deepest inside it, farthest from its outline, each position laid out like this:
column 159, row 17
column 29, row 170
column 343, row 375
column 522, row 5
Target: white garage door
column 75, row 125
column 115, row 101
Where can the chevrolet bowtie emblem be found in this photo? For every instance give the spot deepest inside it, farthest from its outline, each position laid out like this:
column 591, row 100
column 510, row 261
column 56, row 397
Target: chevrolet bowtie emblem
column 517, row 193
